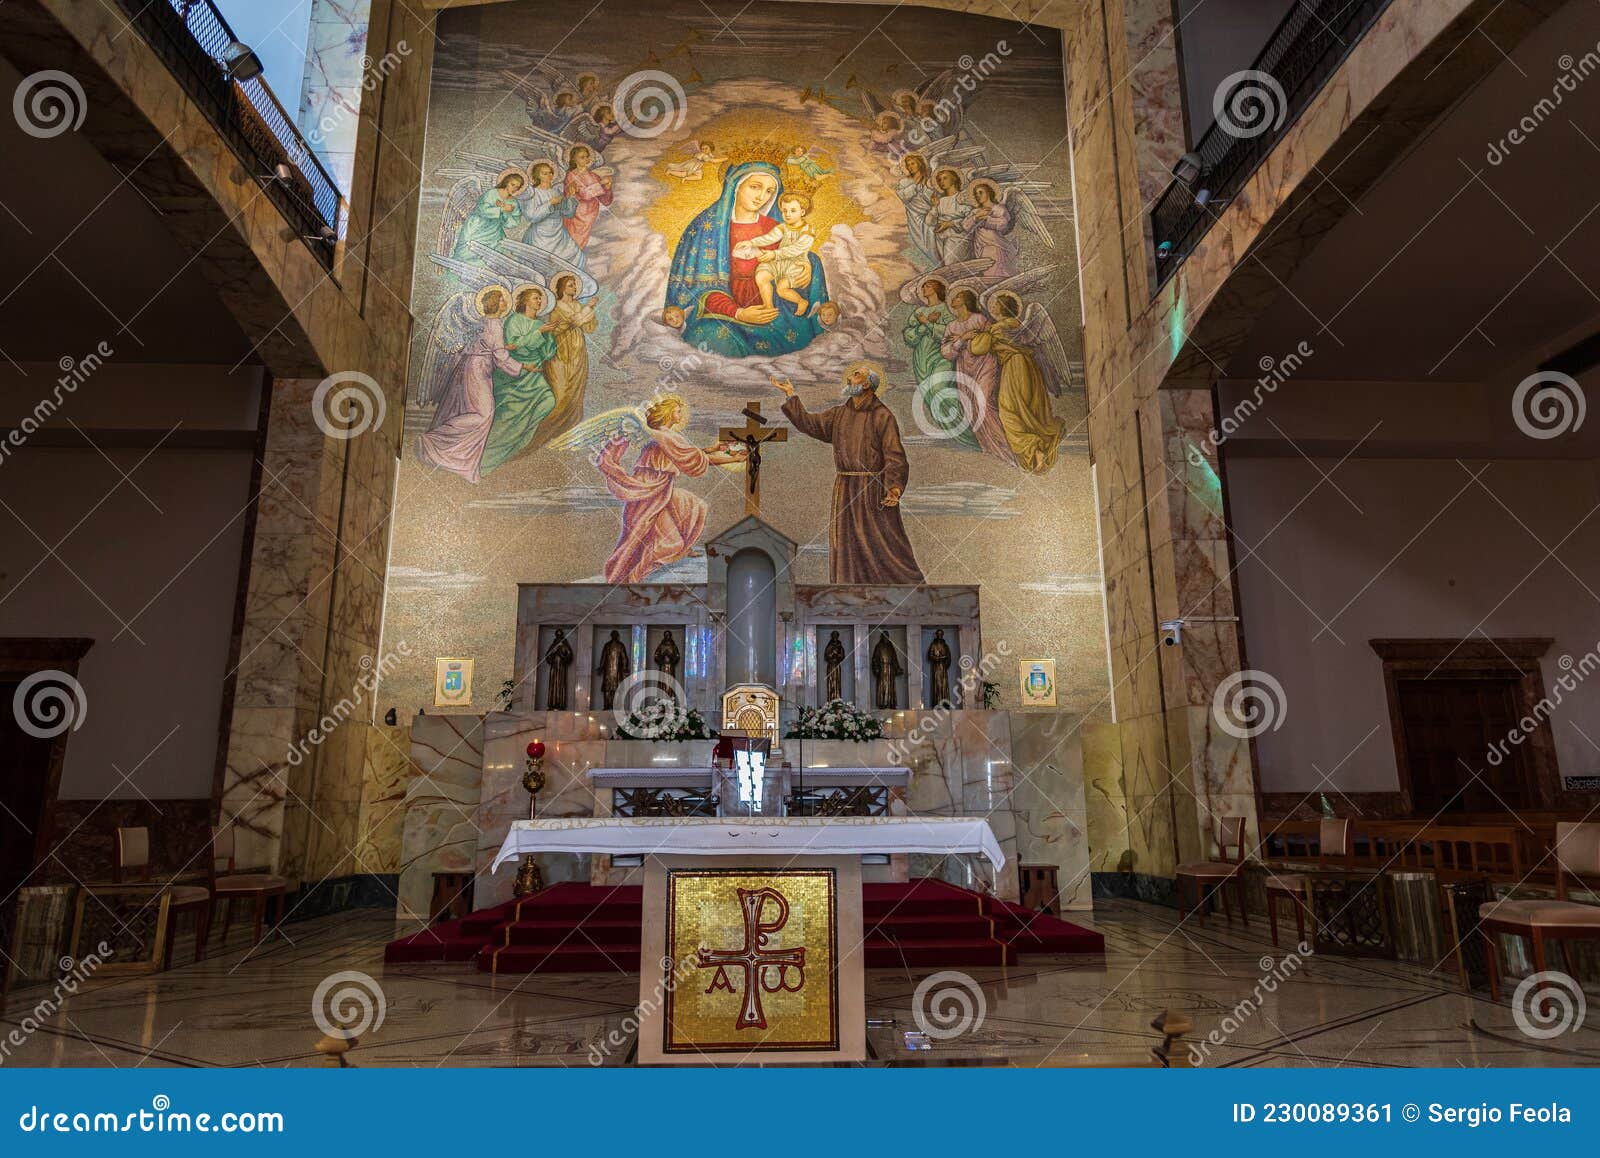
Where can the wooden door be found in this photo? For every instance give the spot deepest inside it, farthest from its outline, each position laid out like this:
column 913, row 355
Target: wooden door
column 24, row 785
column 1449, row 726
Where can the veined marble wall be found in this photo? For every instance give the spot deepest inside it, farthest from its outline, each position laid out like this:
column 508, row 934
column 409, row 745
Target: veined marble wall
column 1150, row 364
column 337, row 65
column 1024, row 771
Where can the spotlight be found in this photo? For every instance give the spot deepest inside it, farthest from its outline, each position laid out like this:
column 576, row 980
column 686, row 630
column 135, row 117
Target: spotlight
column 240, row 63
column 1202, row 197
column 1188, row 169
column 325, row 234
column 282, row 173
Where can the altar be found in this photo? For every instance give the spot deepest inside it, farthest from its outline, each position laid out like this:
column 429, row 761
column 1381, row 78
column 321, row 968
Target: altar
column 626, row 688
column 751, row 940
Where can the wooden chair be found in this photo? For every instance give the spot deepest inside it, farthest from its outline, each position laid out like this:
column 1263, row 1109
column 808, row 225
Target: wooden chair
column 231, row 887
column 1217, row 874
column 1333, row 841
column 1577, row 852
column 133, row 854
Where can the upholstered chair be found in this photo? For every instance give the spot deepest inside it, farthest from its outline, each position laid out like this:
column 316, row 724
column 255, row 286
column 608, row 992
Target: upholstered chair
column 132, row 856
column 1577, row 853
column 233, row 887
column 1217, row 875
column 1333, row 847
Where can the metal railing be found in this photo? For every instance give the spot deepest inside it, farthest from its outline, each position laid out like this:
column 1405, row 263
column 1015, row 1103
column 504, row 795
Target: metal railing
column 191, row 38
column 1300, row 55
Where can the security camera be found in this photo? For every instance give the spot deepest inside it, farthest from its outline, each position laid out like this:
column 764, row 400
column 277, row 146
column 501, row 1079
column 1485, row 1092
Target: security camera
column 1171, row 632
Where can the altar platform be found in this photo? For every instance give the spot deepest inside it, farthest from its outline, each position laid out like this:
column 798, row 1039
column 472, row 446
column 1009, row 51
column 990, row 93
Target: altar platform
column 579, row 928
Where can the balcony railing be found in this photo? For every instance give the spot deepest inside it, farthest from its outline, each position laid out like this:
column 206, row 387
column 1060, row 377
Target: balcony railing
column 1259, row 107
column 192, row 39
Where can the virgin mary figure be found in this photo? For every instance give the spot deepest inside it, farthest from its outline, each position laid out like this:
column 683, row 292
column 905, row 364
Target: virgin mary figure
column 717, row 292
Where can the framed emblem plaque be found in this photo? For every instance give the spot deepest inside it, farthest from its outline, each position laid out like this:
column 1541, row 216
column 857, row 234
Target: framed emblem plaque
column 747, row 962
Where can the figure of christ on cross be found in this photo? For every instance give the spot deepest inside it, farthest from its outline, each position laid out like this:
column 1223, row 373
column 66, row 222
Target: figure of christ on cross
column 751, row 435
column 753, row 959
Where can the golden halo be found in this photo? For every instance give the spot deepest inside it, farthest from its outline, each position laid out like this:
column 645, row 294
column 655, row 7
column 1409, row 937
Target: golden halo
column 513, row 171
column 546, row 298
column 872, row 368
column 555, row 169
column 994, row 190
column 485, row 291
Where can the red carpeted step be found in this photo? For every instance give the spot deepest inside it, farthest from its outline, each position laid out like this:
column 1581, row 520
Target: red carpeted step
column 569, row 958
column 578, row 928
column 607, row 932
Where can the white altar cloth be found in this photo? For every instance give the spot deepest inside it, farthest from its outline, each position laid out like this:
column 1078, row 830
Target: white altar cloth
column 753, row 836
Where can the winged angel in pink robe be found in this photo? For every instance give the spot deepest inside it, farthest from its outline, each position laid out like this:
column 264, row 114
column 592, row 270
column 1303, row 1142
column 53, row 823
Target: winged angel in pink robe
column 660, row 524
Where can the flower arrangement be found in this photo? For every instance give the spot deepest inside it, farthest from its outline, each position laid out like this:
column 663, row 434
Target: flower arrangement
column 664, row 718
column 835, row 720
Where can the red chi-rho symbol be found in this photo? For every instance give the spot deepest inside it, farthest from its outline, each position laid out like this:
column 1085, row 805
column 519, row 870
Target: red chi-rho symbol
column 754, row 959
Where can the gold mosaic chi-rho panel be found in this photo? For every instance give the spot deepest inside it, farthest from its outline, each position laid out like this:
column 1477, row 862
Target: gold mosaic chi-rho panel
column 727, row 927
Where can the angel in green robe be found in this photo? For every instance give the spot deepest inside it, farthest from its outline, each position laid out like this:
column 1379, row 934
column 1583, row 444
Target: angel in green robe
column 495, row 213
column 939, row 403
column 521, row 401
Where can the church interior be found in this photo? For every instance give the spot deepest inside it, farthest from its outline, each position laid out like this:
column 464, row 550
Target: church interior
column 962, row 533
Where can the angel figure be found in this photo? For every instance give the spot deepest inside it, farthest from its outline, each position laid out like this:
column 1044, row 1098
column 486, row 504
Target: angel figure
column 479, row 379
column 946, row 217
column 570, row 321
column 989, row 224
column 914, row 186
column 495, row 212
column 693, row 168
column 660, row 524
column 1024, row 343
column 977, row 371
column 589, row 189
column 942, row 395
column 803, row 159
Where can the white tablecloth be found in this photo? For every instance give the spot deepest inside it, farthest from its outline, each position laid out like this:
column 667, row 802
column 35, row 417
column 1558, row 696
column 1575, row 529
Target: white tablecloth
column 754, row 836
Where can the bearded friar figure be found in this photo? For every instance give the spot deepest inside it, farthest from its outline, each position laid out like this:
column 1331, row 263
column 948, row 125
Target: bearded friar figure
column 867, row 540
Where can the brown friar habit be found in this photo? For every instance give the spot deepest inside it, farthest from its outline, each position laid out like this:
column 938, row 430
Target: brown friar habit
column 866, row 541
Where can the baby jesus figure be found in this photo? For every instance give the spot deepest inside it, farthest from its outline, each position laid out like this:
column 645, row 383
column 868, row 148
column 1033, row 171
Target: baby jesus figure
column 781, row 267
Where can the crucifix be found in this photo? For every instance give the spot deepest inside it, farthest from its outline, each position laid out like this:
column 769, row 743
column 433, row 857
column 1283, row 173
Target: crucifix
column 751, row 435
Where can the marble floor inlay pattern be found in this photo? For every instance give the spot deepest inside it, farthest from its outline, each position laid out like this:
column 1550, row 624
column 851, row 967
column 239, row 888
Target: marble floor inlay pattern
column 249, row 1007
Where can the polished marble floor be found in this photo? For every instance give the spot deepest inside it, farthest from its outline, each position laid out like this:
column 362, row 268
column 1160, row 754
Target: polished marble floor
column 248, row 1007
